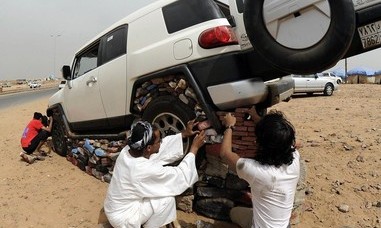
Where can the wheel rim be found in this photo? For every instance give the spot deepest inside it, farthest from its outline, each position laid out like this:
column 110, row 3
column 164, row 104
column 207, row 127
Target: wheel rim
column 286, row 21
column 170, row 124
column 329, row 90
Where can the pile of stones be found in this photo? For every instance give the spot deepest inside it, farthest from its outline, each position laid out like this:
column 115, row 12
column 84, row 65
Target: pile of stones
column 96, row 157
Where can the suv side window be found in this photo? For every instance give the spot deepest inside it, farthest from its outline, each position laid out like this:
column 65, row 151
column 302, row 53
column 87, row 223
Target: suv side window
column 114, row 45
column 184, row 13
column 86, row 61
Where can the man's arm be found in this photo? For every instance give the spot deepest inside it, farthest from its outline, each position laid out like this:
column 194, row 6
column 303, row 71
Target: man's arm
column 48, row 128
column 226, row 153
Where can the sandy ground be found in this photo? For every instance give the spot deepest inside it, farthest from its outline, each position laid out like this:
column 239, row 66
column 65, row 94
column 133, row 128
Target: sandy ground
column 341, row 137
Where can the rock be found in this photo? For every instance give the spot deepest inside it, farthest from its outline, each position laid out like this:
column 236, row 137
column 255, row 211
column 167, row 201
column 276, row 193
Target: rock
column 347, row 147
column 343, row 208
column 360, row 158
column 185, row 203
column 309, row 191
column 358, row 139
column 368, row 205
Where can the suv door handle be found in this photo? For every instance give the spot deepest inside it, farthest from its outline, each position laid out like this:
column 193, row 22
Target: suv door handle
column 91, row 80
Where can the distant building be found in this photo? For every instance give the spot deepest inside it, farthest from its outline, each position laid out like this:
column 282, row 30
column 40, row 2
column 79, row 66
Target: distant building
column 21, row 81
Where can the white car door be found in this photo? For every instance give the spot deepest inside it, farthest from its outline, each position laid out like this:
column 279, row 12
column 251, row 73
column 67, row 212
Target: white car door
column 314, row 83
column 82, row 96
column 112, row 73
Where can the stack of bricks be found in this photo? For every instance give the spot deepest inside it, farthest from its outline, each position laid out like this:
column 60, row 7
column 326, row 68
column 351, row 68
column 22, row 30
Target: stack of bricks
column 243, row 135
column 95, row 157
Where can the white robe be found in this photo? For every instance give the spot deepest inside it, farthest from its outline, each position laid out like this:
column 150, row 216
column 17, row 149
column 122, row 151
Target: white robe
column 141, row 191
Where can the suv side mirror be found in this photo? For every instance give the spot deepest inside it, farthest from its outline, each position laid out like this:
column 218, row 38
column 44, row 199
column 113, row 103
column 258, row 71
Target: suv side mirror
column 66, row 73
column 316, row 76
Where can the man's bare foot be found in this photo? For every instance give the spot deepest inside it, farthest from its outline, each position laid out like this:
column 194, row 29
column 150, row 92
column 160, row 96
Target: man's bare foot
column 27, row 158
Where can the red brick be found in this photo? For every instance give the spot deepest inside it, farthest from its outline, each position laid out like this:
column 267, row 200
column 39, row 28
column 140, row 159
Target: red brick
column 213, row 149
column 242, row 110
column 249, row 139
column 240, row 128
column 240, row 142
column 240, row 133
column 249, row 123
column 251, row 129
column 239, row 147
column 238, row 114
column 239, row 119
column 246, row 153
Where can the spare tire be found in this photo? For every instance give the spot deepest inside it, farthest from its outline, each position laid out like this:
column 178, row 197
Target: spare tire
column 300, row 37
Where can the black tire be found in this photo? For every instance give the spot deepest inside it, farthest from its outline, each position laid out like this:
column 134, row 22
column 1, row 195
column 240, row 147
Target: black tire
column 170, row 115
column 328, row 89
column 304, row 60
column 216, row 208
column 58, row 135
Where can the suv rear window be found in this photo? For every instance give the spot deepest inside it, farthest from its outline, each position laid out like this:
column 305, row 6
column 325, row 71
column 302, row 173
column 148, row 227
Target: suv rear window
column 114, row 45
column 184, row 13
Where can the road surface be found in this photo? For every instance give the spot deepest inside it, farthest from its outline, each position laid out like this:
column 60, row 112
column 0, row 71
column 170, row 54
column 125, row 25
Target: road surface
column 13, row 99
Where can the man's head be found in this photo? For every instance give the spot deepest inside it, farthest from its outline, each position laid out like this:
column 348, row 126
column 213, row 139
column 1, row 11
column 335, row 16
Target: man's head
column 37, row 116
column 275, row 140
column 144, row 138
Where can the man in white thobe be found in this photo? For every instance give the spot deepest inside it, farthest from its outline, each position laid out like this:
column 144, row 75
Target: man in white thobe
column 142, row 189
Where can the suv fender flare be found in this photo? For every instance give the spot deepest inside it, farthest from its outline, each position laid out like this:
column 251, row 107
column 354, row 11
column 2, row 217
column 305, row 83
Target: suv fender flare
column 319, row 56
column 184, row 71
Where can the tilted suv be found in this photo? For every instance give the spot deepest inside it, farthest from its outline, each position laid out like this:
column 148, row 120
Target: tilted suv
column 172, row 61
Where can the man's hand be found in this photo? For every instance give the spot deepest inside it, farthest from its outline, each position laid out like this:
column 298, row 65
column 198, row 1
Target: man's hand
column 198, row 141
column 230, row 120
column 189, row 130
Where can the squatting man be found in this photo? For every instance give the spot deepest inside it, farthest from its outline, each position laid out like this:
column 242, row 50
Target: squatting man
column 142, row 189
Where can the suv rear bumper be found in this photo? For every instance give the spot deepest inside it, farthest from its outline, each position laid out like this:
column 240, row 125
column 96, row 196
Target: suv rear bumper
column 251, row 91
column 363, row 17
column 280, row 90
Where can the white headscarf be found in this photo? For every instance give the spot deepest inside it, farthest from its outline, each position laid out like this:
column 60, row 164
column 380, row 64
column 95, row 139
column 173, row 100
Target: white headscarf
column 147, row 136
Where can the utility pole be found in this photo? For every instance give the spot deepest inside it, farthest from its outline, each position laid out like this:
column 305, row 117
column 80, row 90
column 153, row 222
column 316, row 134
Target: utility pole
column 346, row 70
column 54, row 53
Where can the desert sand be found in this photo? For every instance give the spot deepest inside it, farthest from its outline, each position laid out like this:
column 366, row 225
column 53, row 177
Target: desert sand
column 341, row 138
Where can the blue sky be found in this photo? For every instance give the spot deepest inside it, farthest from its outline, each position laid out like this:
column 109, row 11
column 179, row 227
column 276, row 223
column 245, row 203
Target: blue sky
column 39, row 36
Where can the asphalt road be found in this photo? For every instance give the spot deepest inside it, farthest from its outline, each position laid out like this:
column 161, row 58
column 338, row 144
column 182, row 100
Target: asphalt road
column 13, row 99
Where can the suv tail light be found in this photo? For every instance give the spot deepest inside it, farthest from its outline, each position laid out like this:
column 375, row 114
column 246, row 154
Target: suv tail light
column 217, row 37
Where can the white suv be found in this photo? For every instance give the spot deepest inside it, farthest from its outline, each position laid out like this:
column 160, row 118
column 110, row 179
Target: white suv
column 175, row 60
